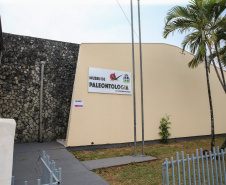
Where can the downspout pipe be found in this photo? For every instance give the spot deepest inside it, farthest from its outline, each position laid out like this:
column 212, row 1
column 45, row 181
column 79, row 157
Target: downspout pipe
column 41, row 97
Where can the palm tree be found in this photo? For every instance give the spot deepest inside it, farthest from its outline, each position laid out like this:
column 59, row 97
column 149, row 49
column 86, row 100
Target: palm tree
column 216, row 28
column 196, row 19
column 220, row 53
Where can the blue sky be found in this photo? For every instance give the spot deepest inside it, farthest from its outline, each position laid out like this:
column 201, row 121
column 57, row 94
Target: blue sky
column 87, row 21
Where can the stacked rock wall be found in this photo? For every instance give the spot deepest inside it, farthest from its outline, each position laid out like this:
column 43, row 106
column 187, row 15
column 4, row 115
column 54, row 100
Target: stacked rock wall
column 20, row 73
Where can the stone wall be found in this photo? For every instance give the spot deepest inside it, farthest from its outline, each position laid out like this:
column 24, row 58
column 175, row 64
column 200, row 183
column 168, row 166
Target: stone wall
column 20, row 72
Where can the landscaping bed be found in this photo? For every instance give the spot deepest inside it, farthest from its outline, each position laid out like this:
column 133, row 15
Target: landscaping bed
column 147, row 172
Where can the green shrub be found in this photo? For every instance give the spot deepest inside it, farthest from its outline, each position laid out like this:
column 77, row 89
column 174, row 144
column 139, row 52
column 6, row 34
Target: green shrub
column 164, row 127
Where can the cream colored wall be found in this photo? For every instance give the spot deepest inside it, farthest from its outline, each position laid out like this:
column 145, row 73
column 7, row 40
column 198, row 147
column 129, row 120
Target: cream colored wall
column 170, row 87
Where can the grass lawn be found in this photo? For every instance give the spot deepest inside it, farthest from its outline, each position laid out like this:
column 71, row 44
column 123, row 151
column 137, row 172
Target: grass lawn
column 147, row 172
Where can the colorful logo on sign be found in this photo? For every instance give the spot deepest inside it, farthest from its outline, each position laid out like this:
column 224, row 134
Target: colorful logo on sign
column 113, row 77
column 126, row 78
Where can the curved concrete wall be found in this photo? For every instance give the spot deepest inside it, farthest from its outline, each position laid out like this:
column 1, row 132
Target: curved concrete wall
column 7, row 133
column 170, row 87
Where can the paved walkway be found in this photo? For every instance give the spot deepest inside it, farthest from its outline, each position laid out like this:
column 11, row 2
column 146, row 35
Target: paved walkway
column 116, row 161
column 27, row 165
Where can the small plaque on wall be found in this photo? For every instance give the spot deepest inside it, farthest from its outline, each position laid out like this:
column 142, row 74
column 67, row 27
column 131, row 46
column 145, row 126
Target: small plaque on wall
column 79, row 104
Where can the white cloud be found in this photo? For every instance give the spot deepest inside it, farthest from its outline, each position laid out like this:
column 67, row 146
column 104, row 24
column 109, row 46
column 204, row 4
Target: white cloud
column 95, row 2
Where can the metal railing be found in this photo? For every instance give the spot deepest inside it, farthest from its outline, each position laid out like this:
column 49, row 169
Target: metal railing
column 188, row 170
column 50, row 175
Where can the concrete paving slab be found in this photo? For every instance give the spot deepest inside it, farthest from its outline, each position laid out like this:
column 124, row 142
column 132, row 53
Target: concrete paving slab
column 62, row 141
column 27, row 165
column 116, row 161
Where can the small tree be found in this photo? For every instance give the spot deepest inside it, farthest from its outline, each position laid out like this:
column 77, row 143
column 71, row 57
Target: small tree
column 164, row 127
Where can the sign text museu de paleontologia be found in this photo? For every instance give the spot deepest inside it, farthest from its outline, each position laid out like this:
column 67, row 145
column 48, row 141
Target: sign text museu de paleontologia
column 109, row 81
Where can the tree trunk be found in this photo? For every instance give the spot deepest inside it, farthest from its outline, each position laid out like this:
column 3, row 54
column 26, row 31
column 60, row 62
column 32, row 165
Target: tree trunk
column 211, row 107
column 219, row 61
column 216, row 70
column 223, row 146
